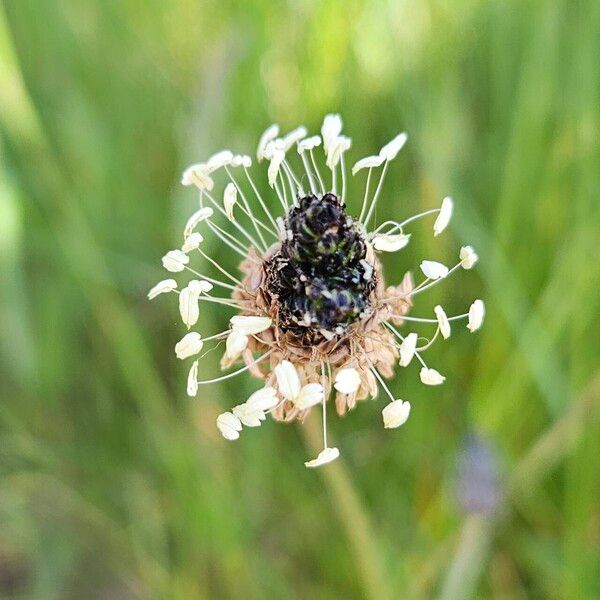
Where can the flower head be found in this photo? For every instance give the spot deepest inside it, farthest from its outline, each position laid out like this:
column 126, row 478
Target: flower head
column 313, row 316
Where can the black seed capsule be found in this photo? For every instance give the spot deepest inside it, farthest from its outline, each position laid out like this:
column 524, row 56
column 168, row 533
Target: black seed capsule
column 317, row 276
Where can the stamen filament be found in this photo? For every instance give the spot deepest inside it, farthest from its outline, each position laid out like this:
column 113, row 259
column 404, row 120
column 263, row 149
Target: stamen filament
column 314, row 162
column 333, row 180
column 212, row 280
column 246, row 206
column 422, row 320
column 323, row 382
column 234, row 373
column 343, row 169
column 224, row 301
column 241, row 229
column 282, row 192
column 395, row 225
column 419, row 216
column 259, row 198
column 364, row 202
column 221, row 234
column 377, row 194
column 422, row 287
column 216, row 336
column 309, row 174
column 431, row 341
column 381, row 381
column 257, row 221
column 293, row 176
column 293, row 191
column 220, row 268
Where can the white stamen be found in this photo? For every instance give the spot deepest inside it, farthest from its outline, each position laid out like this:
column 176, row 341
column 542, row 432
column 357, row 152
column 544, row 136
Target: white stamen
column 234, row 373
column 326, row 455
column 468, row 257
column 192, row 242
column 199, row 216
column 230, row 200
column 390, row 243
column 269, row 135
column 395, row 414
column 476, row 315
column 162, row 287
column 443, row 322
column 189, row 345
column 175, row 261
column 433, row 270
column 431, row 376
column 330, row 130
column 293, row 137
column 369, row 162
column 391, row 149
column 444, row 217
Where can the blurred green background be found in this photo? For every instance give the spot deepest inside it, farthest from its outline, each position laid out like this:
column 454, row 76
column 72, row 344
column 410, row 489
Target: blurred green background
column 114, row 484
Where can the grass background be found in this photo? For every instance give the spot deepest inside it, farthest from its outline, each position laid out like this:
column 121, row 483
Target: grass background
column 113, row 484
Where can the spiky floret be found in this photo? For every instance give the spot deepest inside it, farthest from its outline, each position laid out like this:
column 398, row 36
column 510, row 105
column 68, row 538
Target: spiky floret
column 314, row 314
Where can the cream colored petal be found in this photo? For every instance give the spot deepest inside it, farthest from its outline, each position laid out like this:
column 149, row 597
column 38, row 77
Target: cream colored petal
column 330, row 130
column 250, row 417
column 235, row 344
column 443, row 322
column 175, row 261
column 198, row 175
column 434, row 270
column 192, row 242
column 347, row 380
column 476, row 315
column 269, row 135
column 263, row 399
column 250, row 325
column 288, row 380
column 219, row 160
column 162, row 287
column 390, row 242
column 189, row 345
column 274, row 165
column 189, row 308
column 229, row 426
column 391, row 149
column 395, row 414
column 336, row 148
column 309, row 143
column 369, row 162
column 431, row 376
column 293, row 137
column 241, row 160
column 230, row 199
column 444, row 216
column 468, row 257
column 200, row 286
column 199, row 216
column 326, row 455
column 407, row 349
column 310, row 394
column 192, row 381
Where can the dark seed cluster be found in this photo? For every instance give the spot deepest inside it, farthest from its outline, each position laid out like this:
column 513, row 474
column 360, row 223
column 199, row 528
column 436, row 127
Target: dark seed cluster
column 320, row 278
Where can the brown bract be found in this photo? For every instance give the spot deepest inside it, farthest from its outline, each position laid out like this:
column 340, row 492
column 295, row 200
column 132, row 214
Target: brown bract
column 367, row 344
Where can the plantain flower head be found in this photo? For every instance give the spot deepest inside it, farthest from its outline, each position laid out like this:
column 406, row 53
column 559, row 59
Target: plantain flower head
column 310, row 314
